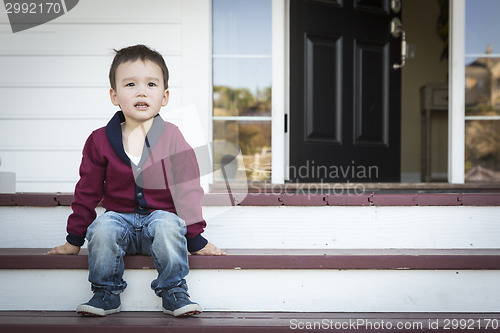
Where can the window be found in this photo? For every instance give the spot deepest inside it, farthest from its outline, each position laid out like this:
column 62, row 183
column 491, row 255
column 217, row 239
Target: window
column 242, row 76
column 482, row 91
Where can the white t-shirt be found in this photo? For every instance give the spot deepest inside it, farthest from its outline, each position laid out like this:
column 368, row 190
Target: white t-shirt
column 133, row 159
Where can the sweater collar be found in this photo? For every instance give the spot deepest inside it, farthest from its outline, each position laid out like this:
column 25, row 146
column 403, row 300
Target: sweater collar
column 114, row 135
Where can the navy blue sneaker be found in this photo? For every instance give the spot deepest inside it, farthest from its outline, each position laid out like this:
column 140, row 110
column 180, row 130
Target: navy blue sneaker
column 176, row 302
column 101, row 304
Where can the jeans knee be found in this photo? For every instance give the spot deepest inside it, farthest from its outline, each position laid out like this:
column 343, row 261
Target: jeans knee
column 167, row 225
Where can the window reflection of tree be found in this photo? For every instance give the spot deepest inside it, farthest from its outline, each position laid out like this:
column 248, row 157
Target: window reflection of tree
column 482, row 136
column 482, row 146
column 253, row 137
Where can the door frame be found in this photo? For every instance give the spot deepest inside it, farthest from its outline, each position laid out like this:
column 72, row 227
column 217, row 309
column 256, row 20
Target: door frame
column 281, row 97
column 280, row 91
column 456, row 93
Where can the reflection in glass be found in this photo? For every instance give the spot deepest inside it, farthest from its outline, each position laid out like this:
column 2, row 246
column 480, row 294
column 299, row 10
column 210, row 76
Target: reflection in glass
column 241, row 27
column 481, row 26
column 482, row 90
column 251, row 74
column 482, row 150
column 482, row 86
column 241, row 102
column 254, row 140
column 242, row 79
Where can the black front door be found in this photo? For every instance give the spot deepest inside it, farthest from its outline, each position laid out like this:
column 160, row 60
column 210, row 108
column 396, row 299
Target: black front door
column 344, row 92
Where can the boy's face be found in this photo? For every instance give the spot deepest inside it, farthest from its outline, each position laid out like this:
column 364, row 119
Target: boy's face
column 139, row 90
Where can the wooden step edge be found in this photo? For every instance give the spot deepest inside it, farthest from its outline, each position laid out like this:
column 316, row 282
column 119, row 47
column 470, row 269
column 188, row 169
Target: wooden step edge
column 291, row 199
column 395, row 259
column 219, row 322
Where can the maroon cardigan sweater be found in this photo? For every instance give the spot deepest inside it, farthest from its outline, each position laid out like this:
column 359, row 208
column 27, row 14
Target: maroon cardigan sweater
column 167, row 178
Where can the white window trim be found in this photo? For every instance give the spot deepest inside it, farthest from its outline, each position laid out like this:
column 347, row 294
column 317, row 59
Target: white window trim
column 456, row 118
column 279, row 61
column 279, row 93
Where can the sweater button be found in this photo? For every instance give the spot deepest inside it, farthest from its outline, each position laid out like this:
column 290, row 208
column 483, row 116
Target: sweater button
column 140, row 195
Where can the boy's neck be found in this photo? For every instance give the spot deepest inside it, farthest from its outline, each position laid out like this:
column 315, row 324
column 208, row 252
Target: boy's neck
column 131, row 126
column 134, row 134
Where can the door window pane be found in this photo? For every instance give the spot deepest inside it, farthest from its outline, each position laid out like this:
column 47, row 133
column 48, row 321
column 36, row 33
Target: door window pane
column 482, row 90
column 241, row 27
column 242, row 86
column 254, row 139
column 482, row 147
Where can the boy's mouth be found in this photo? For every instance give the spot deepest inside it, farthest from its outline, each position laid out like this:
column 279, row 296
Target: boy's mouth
column 141, row 105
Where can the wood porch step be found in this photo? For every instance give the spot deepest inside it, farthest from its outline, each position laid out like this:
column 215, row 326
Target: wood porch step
column 236, row 322
column 408, row 259
column 314, row 196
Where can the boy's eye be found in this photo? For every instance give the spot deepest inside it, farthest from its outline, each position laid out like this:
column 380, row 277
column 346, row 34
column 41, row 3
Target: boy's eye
column 131, row 84
column 152, row 84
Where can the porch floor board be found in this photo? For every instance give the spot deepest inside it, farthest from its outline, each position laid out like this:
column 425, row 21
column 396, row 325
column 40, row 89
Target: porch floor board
column 417, row 259
column 312, row 195
column 231, row 322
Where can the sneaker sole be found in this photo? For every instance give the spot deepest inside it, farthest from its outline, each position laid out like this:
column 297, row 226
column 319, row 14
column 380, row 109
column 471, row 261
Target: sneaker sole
column 185, row 311
column 88, row 310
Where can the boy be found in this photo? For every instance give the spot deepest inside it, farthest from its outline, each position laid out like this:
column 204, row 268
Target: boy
column 147, row 177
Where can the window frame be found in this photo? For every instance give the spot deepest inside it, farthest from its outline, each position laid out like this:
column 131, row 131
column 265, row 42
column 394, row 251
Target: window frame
column 456, row 93
column 280, row 96
column 280, row 93
column 279, row 89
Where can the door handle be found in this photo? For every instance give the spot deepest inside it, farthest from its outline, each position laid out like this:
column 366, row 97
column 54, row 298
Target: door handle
column 396, row 31
column 396, row 6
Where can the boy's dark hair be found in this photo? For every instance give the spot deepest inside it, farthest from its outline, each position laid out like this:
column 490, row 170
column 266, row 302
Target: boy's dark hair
column 134, row 53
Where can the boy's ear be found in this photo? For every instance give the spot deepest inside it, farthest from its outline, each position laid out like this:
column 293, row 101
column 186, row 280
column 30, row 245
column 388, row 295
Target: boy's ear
column 166, row 95
column 114, row 98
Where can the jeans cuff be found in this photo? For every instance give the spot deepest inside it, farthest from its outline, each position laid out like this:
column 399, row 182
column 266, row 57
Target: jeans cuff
column 113, row 290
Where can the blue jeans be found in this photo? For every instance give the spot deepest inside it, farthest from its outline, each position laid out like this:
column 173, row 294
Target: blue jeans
column 160, row 234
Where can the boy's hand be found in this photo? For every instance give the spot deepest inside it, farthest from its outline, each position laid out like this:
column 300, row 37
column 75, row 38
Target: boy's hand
column 65, row 249
column 210, row 250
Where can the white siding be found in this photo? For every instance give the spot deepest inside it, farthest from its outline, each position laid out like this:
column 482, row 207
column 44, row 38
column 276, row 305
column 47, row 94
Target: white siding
column 54, row 80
